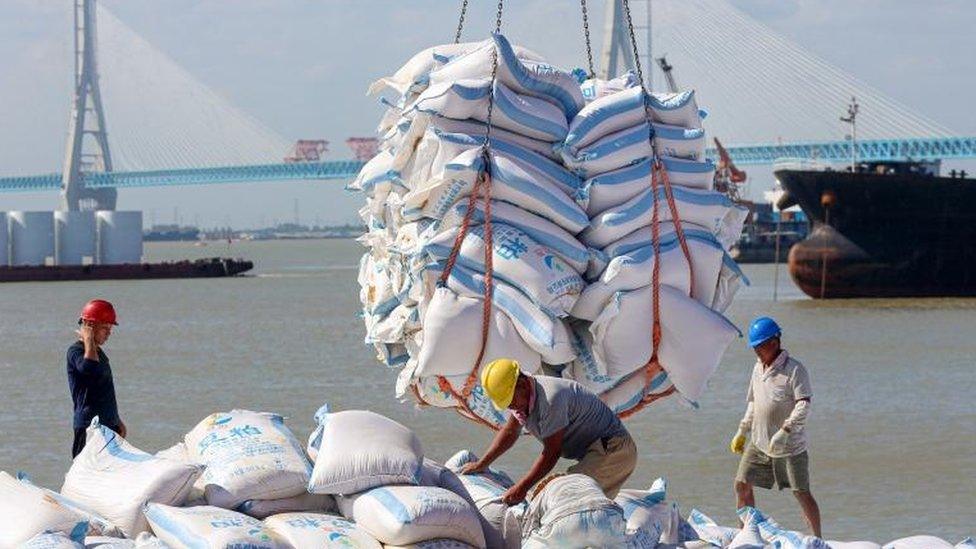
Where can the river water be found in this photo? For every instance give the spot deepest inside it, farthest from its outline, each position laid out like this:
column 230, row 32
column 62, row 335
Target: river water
column 893, row 428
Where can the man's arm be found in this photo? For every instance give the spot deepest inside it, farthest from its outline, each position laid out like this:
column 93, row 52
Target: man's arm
column 552, row 447
column 81, row 361
column 504, row 439
column 798, row 417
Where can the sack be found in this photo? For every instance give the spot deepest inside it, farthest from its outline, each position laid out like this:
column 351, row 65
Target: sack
column 526, row 77
column 320, row 531
column 614, row 151
column 452, row 337
column 864, row 545
column 414, row 74
column 774, row 534
column 708, row 530
column 572, row 511
column 249, row 456
column 485, row 491
column 402, row 515
column 208, row 527
column 97, row 525
column 693, row 337
column 595, row 88
column 708, row 209
column 361, row 449
column 542, row 332
column 647, row 511
column 509, row 182
column 51, row 541
column 434, row 544
column 145, row 540
column 690, row 173
column 264, row 508
column 677, row 109
column 541, row 230
column 517, row 260
column 115, row 479
column 524, row 115
column 918, row 542
column 26, row 510
column 606, row 115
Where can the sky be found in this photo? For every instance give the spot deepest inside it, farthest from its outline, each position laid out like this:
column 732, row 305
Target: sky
column 301, row 67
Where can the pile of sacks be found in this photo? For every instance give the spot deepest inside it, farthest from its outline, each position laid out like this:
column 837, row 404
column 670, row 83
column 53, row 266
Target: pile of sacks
column 570, row 217
column 242, row 479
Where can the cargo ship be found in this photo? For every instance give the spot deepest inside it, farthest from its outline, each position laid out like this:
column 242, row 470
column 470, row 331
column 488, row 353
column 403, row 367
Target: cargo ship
column 213, row 267
column 883, row 229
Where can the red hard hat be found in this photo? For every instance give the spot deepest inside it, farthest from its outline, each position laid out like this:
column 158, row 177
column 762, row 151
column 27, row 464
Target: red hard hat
column 99, row 310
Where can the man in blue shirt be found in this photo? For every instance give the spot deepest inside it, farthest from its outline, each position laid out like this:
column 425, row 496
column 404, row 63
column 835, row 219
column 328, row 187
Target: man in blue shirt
column 90, row 375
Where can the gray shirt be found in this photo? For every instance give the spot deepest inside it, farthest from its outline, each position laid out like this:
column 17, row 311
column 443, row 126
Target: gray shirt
column 565, row 404
column 773, row 393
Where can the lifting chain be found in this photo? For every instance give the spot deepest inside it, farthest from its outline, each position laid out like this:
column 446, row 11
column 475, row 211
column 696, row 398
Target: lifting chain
column 464, row 10
column 586, row 33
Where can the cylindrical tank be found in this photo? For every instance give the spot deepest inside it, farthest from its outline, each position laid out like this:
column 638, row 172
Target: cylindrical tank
column 119, row 237
column 4, row 240
column 74, row 237
column 31, row 237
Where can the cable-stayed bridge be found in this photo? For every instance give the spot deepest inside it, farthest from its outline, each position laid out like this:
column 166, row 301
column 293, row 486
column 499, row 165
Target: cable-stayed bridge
column 765, row 95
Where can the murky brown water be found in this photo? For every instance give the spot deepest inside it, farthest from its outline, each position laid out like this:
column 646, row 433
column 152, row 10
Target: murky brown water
column 893, row 428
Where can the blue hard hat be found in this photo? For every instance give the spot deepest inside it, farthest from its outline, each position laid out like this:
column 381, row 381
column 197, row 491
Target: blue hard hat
column 763, row 329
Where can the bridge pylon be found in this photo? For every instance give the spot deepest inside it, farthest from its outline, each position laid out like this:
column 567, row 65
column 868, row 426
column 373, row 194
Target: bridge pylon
column 87, row 149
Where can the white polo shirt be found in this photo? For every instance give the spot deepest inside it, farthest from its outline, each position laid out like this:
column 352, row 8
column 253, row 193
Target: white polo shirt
column 774, row 392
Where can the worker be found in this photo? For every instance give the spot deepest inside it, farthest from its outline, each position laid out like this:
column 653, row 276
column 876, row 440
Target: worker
column 772, row 435
column 90, row 375
column 570, row 421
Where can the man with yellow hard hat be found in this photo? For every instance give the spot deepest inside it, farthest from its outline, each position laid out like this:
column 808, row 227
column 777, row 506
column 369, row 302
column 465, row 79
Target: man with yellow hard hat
column 570, row 421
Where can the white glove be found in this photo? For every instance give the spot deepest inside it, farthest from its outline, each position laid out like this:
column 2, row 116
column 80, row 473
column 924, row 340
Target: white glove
column 777, row 444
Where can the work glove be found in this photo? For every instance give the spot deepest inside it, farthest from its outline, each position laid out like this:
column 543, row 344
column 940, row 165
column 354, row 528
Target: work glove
column 777, row 444
column 738, row 442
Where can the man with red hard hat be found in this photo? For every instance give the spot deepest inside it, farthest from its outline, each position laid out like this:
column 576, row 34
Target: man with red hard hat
column 90, row 375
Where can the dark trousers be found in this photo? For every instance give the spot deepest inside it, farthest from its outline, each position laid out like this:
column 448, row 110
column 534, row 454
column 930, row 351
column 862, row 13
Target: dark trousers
column 81, row 437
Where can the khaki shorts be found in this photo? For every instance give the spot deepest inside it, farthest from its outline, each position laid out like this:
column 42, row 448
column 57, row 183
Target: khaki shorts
column 758, row 469
column 609, row 461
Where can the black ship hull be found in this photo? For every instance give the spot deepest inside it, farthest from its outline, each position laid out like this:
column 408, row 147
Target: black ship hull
column 201, row 268
column 884, row 234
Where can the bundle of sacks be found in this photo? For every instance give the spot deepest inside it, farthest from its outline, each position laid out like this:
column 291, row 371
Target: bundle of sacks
column 570, row 217
column 241, row 479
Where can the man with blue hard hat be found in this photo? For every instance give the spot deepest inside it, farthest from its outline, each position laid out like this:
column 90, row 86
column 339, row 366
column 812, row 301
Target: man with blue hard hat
column 771, row 435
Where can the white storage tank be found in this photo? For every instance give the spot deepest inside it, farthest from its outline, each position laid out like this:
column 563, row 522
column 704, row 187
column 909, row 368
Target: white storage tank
column 31, row 237
column 75, row 238
column 119, row 237
column 4, row 240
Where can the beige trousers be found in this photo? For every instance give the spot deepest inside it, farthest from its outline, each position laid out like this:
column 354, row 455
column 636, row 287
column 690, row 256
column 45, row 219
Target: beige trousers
column 609, row 462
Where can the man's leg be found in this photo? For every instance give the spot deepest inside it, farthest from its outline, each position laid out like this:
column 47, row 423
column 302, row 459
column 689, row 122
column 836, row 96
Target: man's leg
column 609, row 465
column 755, row 469
column 79, row 442
column 811, row 511
column 744, row 495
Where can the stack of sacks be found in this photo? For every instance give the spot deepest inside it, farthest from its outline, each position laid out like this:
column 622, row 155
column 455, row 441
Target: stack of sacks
column 27, row 510
column 774, row 534
column 417, row 195
column 142, row 541
column 650, row 516
column 374, row 467
column 572, row 511
column 608, row 144
column 115, row 479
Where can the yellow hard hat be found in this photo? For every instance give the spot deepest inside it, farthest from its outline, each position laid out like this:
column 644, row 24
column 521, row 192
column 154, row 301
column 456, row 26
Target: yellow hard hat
column 498, row 378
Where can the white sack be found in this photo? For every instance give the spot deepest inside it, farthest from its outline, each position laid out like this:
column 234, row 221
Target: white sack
column 541, row 230
column 648, row 511
column 858, row 545
column 97, row 524
column 708, row 209
column 694, row 174
column 208, row 527
column 521, row 114
column 264, row 508
column 537, row 271
column 693, row 337
column 145, row 540
column 115, row 479
column 595, row 88
column 430, row 391
column 434, row 544
column 510, row 183
column 774, row 534
column 26, row 510
column 485, row 490
column 320, row 531
column 409, row 514
column 572, row 511
column 676, row 109
column 918, row 542
column 361, row 449
column 528, row 77
column 710, row 531
column 248, row 455
column 543, row 332
column 634, row 269
column 614, row 151
column 51, row 541
column 606, row 115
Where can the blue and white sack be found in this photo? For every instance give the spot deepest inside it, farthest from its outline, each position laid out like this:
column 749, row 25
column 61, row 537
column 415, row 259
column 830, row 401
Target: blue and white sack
column 320, row 531
column 208, row 527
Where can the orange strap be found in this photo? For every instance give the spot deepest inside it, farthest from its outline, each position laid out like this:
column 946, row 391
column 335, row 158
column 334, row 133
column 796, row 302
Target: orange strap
column 676, row 220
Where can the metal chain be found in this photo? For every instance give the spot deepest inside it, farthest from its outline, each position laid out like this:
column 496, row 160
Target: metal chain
column 586, row 33
column 491, row 89
column 633, row 42
column 464, row 10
